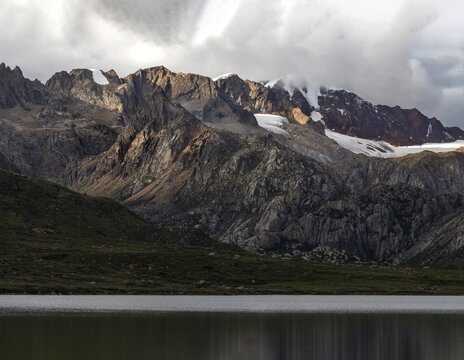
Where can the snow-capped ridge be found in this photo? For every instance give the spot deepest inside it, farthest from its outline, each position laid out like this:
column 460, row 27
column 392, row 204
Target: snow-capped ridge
column 311, row 91
column 223, row 76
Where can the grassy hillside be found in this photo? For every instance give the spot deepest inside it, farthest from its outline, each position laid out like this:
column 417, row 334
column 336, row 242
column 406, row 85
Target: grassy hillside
column 35, row 206
column 53, row 240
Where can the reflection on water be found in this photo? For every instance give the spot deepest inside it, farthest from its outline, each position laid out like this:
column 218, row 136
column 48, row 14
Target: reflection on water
column 232, row 336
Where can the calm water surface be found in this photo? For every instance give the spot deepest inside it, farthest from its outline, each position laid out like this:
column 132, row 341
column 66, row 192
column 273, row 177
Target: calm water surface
column 257, row 327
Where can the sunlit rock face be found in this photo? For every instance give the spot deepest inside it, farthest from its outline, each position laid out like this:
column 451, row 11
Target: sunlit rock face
column 262, row 98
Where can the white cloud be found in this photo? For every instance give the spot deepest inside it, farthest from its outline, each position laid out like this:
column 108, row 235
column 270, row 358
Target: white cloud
column 215, row 18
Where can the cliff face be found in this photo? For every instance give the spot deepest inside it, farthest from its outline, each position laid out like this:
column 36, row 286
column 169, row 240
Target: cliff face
column 380, row 223
column 198, row 94
column 184, row 150
column 15, row 90
column 80, row 85
column 444, row 245
column 43, row 129
column 258, row 98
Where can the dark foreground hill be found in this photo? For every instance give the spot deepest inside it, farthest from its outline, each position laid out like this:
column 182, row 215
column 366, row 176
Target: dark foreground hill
column 53, row 240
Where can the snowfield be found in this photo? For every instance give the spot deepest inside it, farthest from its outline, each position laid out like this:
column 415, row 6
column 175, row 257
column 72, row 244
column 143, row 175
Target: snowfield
column 385, row 150
column 375, row 148
column 272, row 123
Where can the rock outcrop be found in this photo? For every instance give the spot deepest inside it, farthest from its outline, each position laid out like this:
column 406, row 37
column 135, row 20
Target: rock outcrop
column 443, row 245
column 380, row 223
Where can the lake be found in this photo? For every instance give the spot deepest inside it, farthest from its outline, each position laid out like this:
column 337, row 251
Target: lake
column 231, row 327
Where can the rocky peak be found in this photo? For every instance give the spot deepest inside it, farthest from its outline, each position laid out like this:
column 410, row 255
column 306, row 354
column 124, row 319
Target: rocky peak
column 80, row 84
column 179, row 87
column 17, row 90
column 455, row 132
column 197, row 94
column 349, row 114
column 410, row 126
column 231, row 81
column 82, row 74
column 18, row 71
column 112, row 77
column 258, row 98
column 59, row 81
column 7, row 71
column 65, row 82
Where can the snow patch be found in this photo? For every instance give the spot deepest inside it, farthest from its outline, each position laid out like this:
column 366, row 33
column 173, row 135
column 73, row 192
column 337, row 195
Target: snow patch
column 342, row 111
column 316, row 116
column 361, row 146
column 224, row 76
column 98, row 77
column 429, row 130
column 434, row 147
column 334, row 88
column 383, row 149
column 272, row 123
column 272, row 83
column 312, row 94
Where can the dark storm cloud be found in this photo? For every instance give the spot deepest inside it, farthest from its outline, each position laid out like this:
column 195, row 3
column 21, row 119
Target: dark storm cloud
column 389, row 52
column 445, row 71
column 164, row 21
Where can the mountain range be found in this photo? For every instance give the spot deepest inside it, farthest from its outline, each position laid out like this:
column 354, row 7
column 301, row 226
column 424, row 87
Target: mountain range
column 254, row 164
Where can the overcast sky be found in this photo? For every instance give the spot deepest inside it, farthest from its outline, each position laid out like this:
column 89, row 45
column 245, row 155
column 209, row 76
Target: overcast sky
column 405, row 52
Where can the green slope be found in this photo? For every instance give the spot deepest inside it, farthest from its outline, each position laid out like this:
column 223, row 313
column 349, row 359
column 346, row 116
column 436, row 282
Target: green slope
column 35, row 206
